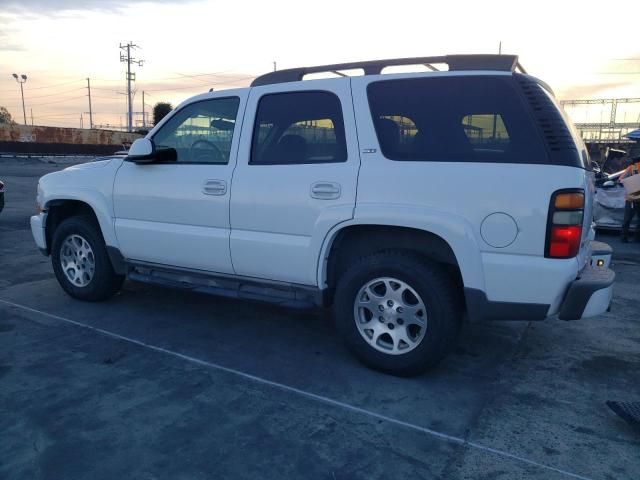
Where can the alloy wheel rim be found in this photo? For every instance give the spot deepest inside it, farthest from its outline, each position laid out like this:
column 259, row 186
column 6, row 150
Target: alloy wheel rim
column 77, row 260
column 390, row 315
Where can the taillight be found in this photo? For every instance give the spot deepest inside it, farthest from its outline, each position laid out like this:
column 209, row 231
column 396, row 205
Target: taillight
column 564, row 224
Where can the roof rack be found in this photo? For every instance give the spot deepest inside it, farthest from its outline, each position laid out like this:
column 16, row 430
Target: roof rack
column 503, row 63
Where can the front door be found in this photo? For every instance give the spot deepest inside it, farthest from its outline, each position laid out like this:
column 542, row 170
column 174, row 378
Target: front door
column 295, row 180
column 176, row 213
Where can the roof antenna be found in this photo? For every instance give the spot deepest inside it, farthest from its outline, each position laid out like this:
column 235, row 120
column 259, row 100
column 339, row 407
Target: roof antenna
column 500, row 48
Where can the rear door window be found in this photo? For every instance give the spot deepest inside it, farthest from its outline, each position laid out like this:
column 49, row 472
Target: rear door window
column 472, row 119
column 298, row 128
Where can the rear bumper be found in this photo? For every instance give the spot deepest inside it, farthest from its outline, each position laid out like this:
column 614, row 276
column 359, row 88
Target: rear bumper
column 589, row 295
column 601, row 254
column 558, row 289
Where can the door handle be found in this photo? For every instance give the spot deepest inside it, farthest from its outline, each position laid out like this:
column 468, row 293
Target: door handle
column 214, row 187
column 326, row 190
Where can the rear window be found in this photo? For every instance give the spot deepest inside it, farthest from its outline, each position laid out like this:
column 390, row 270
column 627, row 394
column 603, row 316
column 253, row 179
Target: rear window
column 473, row 119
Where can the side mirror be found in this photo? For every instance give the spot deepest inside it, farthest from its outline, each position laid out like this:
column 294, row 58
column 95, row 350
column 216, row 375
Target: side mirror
column 144, row 151
column 141, row 151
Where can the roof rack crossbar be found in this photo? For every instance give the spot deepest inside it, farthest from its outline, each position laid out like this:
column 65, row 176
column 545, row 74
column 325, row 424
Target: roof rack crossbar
column 504, row 63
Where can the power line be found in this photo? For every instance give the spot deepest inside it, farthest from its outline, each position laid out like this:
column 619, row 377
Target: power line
column 49, row 86
column 114, row 89
column 106, row 98
column 58, row 101
column 186, row 75
column 191, row 87
column 57, row 93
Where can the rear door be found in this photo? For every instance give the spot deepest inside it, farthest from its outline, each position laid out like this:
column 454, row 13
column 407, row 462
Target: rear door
column 295, row 179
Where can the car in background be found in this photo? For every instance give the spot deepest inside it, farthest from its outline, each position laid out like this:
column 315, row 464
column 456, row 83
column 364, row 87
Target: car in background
column 1, row 195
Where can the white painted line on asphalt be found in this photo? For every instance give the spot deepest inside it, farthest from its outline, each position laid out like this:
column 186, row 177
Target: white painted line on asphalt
column 303, row 393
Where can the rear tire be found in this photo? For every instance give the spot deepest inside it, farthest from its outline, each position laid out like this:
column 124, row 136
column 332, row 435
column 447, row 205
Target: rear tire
column 397, row 313
column 80, row 260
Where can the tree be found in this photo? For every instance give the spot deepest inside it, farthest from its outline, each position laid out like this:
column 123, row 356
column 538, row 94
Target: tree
column 5, row 116
column 160, row 111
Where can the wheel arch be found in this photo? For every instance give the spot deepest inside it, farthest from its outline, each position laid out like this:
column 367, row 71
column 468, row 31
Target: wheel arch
column 60, row 209
column 358, row 239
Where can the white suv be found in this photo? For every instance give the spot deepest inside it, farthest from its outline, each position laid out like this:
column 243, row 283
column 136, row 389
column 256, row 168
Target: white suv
column 406, row 201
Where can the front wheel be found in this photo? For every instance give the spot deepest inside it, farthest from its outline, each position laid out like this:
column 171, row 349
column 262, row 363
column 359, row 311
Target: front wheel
column 397, row 313
column 80, row 260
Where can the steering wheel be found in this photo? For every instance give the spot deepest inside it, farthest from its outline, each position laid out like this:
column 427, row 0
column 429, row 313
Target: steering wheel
column 209, row 154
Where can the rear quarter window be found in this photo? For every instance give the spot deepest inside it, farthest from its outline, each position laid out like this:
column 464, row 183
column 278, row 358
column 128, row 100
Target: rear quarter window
column 465, row 119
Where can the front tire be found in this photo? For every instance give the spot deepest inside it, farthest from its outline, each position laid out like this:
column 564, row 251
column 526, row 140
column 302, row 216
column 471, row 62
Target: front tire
column 397, row 313
column 80, row 260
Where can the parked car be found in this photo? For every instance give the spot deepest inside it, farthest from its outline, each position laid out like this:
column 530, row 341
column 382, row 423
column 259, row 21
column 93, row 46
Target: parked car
column 1, row 195
column 330, row 192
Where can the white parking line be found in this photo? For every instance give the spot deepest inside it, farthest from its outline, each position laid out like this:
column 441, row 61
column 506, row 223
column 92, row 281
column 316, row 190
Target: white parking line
column 303, row 393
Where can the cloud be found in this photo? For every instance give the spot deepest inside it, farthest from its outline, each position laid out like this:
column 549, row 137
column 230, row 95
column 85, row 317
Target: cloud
column 41, row 7
column 589, row 91
column 7, row 35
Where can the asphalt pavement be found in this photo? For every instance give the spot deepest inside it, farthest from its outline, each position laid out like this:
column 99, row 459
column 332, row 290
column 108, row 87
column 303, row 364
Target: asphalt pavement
column 158, row 383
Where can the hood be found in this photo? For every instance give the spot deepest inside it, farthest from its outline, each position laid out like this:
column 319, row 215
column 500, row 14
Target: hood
column 99, row 162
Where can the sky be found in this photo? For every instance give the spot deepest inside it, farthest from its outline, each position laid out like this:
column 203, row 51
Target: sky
column 583, row 49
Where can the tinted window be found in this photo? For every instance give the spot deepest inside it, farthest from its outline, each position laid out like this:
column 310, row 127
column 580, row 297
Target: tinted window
column 201, row 132
column 577, row 137
column 407, row 131
column 298, row 127
column 486, row 131
column 454, row 119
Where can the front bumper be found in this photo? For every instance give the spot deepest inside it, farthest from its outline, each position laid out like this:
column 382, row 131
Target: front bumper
column 38, row 223
column 588, row 295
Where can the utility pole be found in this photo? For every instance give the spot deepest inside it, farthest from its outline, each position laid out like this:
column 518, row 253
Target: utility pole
column 90, row 111
column 500, row 48
column 22, row 79
column 274, row 65
column 81, row 122
column 144, row 123
column 128, row 59
column 32, row 117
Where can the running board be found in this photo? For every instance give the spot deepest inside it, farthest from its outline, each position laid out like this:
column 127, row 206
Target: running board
column 278, row 293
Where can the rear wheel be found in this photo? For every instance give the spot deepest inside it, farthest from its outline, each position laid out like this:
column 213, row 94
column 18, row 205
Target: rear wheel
column 80, row 260
column 397, row 313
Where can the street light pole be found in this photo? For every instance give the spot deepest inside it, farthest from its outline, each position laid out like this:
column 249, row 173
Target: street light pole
column 22, row 79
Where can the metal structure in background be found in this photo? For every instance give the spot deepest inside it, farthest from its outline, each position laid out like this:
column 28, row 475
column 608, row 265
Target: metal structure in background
column 131, row 76
column 610, row 131
column 22, row 79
